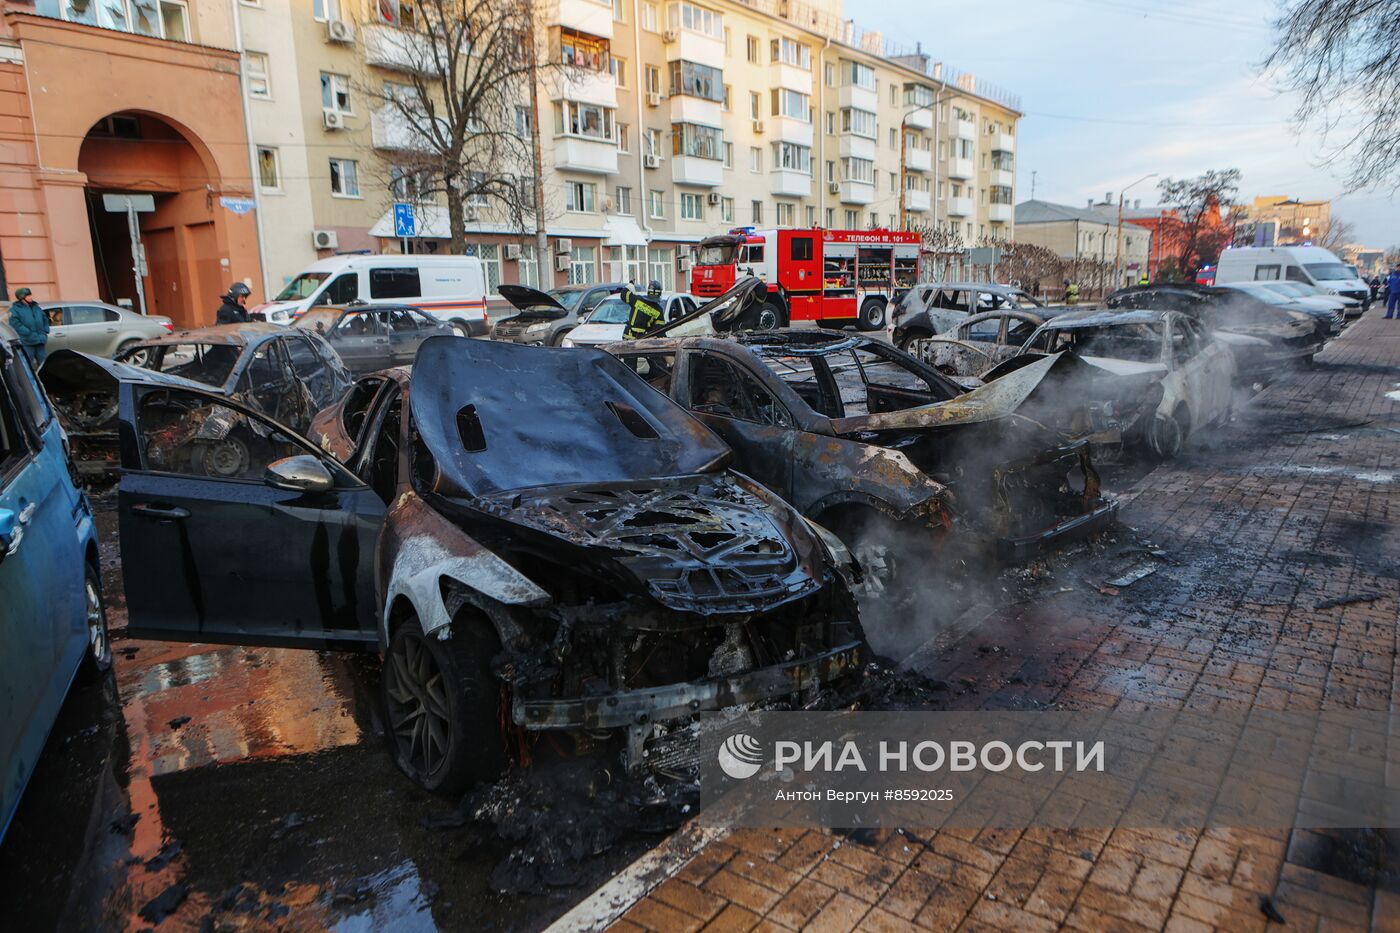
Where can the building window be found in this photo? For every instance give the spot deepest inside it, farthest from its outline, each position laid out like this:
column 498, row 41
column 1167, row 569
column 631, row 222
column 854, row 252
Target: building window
column 649, row 18
column 580, row 197
column 697, row 140
column 755, row 105
column 583, row 262
column 653, row 79
column 854, row 73
column 852, row 220
column 619, row 11
column 696, row 19
column 583, row 51
column 789, row 52
column 259, row 81
column 409, row 184
column 335, row 93
column 728, row 155
column 1001, row 194
column 756, row 211
column 894, row 138
column 174, row 19
column 726, row 210
column 345, row 178
column 623, row 145
column 522, row 122
column 831, row 121
column 728, row 98
column 528, row 269
column 624, row 200
column 619, row 70
column 755, row 159
column 653, row 142
column 591, row 121
column 861, row 170
column 663, row 267
column 830, row 73
column 790, row 157
column 811, row 216
column 918, row 96
column 787, row 214
column 793, row 104
column 858, row 122
column 693, row 80
column 627, row 263
column 656, row 204
column 490, row 256
column 269, row 169
column 692, row 206
column 325, row 9
column 751, row 49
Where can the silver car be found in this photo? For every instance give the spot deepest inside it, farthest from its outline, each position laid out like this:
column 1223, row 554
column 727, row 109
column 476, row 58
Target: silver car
column 101, row 329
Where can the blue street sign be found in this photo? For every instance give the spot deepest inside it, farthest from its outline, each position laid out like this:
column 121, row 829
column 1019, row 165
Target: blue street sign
column 404, row 223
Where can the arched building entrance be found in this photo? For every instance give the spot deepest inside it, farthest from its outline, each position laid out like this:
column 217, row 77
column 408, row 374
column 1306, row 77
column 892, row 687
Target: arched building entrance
column 140, row 154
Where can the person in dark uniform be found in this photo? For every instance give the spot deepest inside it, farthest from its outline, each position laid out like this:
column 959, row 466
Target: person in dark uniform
column 234, row 309
column 646, row 310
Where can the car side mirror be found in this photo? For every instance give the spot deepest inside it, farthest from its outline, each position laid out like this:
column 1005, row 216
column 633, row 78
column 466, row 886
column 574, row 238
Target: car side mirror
column 303, row 473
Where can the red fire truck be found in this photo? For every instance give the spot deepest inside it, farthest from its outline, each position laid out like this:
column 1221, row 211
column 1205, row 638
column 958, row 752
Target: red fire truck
column 830, row 276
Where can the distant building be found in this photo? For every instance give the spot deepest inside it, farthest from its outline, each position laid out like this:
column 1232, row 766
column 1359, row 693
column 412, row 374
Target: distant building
column 1087, row 236
column 1368, row 260
column 1274, row 220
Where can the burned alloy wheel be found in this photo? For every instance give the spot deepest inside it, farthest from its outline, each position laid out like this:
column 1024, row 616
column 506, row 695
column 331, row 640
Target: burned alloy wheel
column 442, row 706
column 98, row 659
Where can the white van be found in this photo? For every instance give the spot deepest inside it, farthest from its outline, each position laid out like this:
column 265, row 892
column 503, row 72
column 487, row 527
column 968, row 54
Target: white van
column 1311, row 265
column 450, row 288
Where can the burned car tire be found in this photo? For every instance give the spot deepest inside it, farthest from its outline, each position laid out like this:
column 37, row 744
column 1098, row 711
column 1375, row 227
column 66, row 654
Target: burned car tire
column 97, row 661
column 442, row 706
column 909, row 336
column 874, row 315
column 1166, row 435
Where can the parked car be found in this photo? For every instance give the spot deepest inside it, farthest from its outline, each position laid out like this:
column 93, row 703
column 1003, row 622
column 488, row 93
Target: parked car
column 935, row 307
column 1327, row 314
column 99, row 328
column 373, row 337
column 565, row 553
column 546, row 318
column 451, row 289
column 287, row 373
column 1350, row 307
column 52, row 622
column 1311, row 264
column 1158, row 375
column 608, row 319
column 907, row 469
column 975, row 345
column 1263, row 338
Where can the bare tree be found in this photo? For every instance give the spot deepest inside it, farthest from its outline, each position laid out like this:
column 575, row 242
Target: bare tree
column 1193, row 237
column 1337, row 234
column 458, row 112
column 1342, row 57
column 943, row 250
column 1028, row 264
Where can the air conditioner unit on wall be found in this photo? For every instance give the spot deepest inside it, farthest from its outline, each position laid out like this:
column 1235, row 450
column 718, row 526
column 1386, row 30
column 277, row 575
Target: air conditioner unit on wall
column 563, row 246
column 513, row 251
column 713, row 199
column 758, row 127
column 683, row 262
column 653, row 98
column 670, row 35
column 651, row 161
column 834, row 187
column 324, row 239
column 334, row 119
column 339, row 30
column 561, row 263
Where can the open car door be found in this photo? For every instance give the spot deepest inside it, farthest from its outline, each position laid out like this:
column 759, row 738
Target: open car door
column 236, row 530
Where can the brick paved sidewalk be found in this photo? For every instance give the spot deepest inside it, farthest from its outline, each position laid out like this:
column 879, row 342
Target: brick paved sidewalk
column 1292, row 507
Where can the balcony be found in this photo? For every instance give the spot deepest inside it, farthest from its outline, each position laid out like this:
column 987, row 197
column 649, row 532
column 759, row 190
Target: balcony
column 398, row 49
column 857, row 147
column 960, row 168
column 790, row 184
column 861, row 98
column 919, row 201
column 585, row 154
column 1003, row 141
column 964, row 129
column 789, row 130
column 694, row 47
column 586, row 87
column 960, row 207
column 693, row 170
column 920, row 119
column 1000, row 213
column 857, row 192
column 686, row 109
column 1004, row 178
column 594, row 17
column 392, row 131
column 918, row 160
column 781, row 74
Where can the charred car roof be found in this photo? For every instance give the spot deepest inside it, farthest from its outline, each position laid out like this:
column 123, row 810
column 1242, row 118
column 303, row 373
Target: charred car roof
column 602, row 423
column 233, row 335
column 1103, row 318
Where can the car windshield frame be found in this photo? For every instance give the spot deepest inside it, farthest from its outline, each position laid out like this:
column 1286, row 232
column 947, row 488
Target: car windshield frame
column 568, row 297
column 1048, row 339
column 1327, row 271
column 595, row 317
column 202, row 365
column 308, row 320
column 291, row 293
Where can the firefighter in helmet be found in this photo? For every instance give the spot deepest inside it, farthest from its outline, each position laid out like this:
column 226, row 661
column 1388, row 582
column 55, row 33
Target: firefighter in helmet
column 646, row 310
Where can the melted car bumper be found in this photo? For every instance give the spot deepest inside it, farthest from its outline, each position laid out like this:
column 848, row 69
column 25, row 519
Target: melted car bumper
column 641, row 707
column 1019, row 548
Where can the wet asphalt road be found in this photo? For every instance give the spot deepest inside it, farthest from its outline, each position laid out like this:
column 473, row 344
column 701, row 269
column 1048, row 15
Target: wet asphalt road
column 274, row 805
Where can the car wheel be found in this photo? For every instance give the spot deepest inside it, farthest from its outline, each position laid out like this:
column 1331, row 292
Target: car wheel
column 909, row 336
column 1166, row 435
column 873, row 314
column 139, row 358
column 558, row 338
column 460, row 329
column 442, row 705
column 221, row 459
column 770, row 317
column 98, row 659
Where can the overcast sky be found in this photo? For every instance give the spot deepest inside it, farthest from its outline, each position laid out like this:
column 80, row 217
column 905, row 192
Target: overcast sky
column 1115, row 89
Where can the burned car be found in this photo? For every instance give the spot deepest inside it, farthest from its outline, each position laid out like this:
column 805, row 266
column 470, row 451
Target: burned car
column 931, row 308
column 533, row 539
column 285, row 373
column 1154, row 377
column 976, row 344
column 862, row 438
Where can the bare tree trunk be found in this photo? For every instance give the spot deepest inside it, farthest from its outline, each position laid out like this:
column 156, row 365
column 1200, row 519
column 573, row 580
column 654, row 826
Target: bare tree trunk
column 456, row 221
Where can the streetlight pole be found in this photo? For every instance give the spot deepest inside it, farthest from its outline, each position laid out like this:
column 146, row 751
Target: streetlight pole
column 904, row 160
column 1118, row 242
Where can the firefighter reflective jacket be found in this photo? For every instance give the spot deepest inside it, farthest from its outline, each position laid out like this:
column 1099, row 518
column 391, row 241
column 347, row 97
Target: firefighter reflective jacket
column 645, row 314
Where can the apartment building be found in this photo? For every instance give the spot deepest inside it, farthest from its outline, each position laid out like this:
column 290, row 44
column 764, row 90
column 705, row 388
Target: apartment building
column 1275, row 220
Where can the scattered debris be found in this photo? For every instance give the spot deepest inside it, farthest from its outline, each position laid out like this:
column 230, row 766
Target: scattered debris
column 1132, row 576
column 863, row 836
column 1266, row 906
column 1336, row 601
column 177, row 722
column 164, row 904
column 164, row 857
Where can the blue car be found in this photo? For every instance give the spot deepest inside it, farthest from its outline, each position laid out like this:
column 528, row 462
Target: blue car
column 52, row 623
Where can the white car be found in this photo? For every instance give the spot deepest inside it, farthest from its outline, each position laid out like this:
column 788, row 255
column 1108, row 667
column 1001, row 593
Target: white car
column 608, row 320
